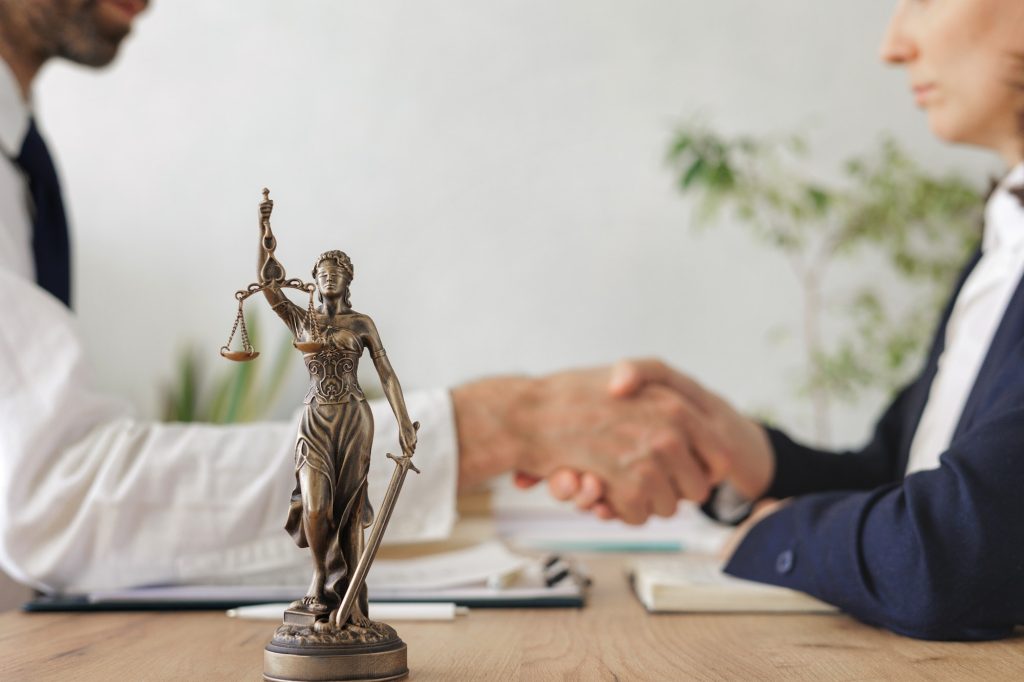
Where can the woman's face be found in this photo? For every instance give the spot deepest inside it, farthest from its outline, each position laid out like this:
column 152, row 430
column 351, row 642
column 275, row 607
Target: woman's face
column 331, row 279
column 960, row 56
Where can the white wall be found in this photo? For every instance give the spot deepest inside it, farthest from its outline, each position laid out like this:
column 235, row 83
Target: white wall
column 495, row 169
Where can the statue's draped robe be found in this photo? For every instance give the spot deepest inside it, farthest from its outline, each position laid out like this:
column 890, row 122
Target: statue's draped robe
column 334, row 439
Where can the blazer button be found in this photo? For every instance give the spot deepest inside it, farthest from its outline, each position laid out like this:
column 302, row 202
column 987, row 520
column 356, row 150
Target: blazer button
column 784, row 562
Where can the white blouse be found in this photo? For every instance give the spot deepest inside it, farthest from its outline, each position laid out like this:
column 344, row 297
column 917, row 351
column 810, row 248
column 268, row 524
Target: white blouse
column 976, row 315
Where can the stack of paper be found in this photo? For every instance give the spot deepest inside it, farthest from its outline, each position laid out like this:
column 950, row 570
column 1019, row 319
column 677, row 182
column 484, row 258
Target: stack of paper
column 568, row 530
column 484, row 575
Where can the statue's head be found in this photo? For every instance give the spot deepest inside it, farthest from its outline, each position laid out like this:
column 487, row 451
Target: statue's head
column 333, row 274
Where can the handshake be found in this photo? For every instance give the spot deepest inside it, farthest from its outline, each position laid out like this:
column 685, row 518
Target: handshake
column 624, row 442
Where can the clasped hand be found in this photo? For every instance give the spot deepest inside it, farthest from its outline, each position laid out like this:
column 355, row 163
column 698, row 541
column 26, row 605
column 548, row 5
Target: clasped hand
column 632, row 441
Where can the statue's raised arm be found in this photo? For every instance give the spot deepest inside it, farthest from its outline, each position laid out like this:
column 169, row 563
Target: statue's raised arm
column 269, row 270
column 272, row 278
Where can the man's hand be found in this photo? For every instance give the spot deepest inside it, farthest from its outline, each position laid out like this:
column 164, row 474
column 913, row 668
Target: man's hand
column 637, row 447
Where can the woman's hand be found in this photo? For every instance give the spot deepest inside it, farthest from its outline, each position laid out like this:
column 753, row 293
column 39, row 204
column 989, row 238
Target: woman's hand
column 730, row 445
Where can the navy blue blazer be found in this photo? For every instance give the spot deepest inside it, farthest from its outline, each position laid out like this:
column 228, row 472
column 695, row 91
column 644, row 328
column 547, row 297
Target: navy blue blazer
column 938, row 554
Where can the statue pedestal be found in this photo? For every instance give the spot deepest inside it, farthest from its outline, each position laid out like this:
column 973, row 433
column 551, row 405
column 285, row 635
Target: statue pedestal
column 300, row 653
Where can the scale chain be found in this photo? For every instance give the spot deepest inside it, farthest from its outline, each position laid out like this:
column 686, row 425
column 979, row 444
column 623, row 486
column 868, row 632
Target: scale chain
column 314, row 328
column 246, row 346
column 234, row 328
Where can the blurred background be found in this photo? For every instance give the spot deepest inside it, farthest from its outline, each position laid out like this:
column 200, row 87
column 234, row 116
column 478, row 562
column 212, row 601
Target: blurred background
column 500, row 174
column 497, row 171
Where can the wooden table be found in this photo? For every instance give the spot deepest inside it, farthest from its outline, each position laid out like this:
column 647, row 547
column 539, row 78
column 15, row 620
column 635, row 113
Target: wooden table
column 612, row 639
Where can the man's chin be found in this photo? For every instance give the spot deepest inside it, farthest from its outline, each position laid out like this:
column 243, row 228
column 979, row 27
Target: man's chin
column 100, row 52
column 96, row 36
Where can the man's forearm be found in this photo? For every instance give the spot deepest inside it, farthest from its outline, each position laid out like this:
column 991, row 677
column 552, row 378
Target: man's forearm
column 485, row 418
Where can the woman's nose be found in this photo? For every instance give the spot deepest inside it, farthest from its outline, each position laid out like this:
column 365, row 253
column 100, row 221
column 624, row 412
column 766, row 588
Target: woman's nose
column 897, row 45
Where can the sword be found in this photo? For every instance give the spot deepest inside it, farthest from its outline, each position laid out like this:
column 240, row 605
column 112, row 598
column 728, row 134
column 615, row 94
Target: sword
column 402, row 466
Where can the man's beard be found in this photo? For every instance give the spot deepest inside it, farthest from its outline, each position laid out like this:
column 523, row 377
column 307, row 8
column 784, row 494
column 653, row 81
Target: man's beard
column 72, row 29
column 83, row 40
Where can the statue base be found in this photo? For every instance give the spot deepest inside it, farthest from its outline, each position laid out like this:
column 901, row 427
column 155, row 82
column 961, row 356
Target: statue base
column 299, row 652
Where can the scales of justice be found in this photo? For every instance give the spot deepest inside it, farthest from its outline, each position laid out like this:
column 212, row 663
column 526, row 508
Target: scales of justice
column 327, row 635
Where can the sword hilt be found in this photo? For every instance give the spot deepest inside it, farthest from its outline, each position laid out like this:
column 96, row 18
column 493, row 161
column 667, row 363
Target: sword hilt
column 405, row 461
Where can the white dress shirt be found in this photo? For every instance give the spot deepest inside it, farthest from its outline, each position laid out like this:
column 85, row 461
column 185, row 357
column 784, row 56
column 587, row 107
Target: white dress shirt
column 976, row 315
column 93, row 498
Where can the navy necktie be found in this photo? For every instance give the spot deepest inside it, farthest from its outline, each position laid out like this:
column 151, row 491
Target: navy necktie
column 50, row 243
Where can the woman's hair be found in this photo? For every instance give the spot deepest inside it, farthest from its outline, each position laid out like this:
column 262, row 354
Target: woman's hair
column 341, row 259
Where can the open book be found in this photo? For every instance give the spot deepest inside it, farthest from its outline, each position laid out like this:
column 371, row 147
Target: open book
column 695, row 582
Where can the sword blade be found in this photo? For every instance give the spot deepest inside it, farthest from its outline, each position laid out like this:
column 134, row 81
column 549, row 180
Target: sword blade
column 355, row 583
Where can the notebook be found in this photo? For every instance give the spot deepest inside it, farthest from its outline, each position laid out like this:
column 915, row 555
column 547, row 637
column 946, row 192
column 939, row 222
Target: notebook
column 696, row 583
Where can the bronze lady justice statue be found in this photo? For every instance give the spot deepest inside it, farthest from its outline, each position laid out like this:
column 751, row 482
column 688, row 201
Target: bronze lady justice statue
column 329, row 507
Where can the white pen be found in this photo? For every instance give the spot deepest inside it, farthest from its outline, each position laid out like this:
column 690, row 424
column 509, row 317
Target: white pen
column 378, row 611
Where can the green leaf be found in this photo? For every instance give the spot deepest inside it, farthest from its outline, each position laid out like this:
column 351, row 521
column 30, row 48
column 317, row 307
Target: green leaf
column 682, row 143
column 695, row 171
column 819, row 198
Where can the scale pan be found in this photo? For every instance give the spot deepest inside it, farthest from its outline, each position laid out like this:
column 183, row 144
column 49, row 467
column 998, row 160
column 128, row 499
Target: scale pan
column 240, row 355
column 308, row 346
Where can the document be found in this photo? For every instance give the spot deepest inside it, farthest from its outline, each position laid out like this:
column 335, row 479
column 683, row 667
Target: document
column 486, row 575
column 567, row 530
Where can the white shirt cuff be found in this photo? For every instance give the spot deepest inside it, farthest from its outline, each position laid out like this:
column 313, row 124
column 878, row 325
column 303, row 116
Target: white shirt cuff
column 729, row 505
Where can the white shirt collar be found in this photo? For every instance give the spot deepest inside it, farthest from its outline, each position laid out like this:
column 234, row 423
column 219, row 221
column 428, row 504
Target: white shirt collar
column 1004, row 215
column 14, row 113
